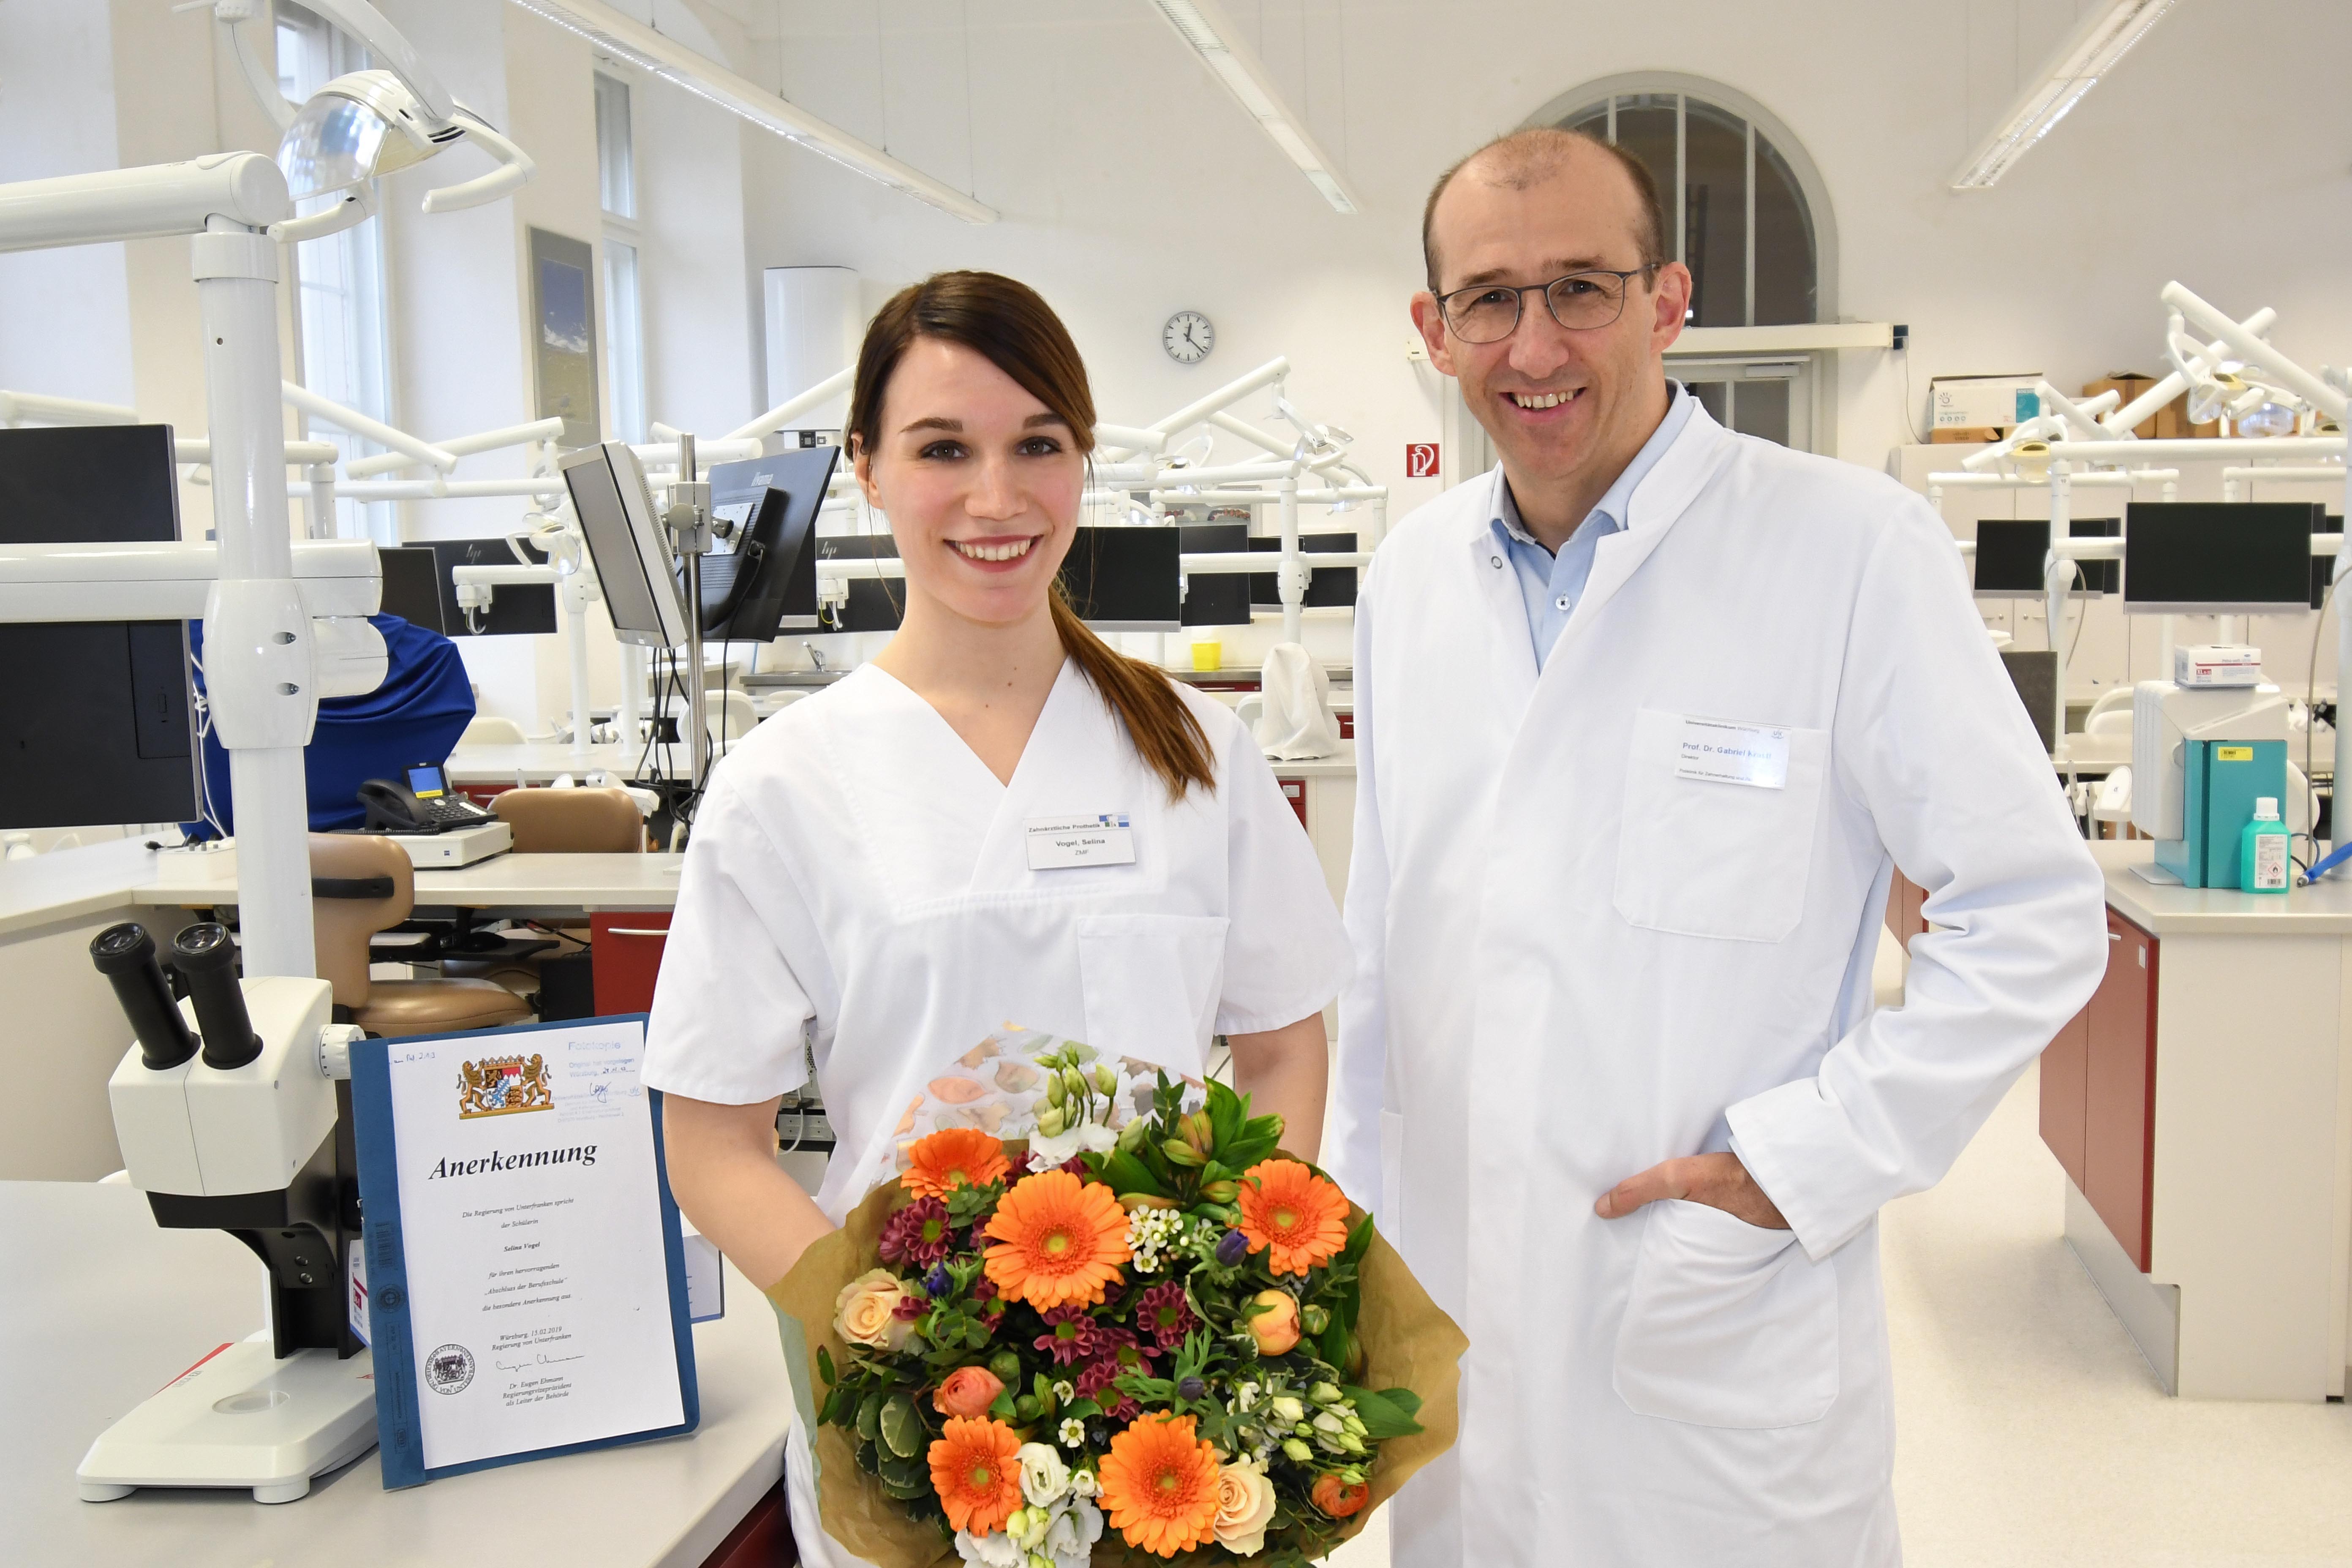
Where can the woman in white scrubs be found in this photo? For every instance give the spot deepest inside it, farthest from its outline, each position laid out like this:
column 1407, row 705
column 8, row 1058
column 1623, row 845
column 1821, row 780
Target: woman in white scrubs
column 871, row 883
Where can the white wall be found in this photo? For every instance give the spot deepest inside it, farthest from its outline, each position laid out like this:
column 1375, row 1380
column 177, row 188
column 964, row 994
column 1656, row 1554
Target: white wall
column 1131, row 185
column 60, row 119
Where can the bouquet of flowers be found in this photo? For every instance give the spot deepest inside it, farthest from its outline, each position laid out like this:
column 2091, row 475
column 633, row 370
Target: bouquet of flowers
column 1159, row 1336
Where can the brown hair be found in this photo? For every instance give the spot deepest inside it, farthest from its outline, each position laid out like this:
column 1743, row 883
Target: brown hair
column 1529, row 157
column 1008, row 324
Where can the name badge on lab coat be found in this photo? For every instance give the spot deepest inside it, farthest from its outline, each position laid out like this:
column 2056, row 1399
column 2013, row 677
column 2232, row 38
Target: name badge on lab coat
column 1715, row 751
column 1055, row 842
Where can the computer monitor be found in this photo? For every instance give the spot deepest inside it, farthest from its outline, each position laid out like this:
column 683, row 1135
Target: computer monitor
column 2218, row 558
column 2010, row 555
column 98, row 726
column 1327, row 590
column 626, row 542
column 1126, row 578
column 1221, row 598
column 876, row 603
column 2097, row 578
column 516, row 609
column 762, row 579
column 412, row 585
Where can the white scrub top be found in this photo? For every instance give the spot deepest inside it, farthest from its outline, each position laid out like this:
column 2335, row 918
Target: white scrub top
column 860, row 880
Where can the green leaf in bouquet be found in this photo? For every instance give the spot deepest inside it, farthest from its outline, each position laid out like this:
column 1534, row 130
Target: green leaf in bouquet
column 1125, row 1173
column 901, row 1428
column 1359, row 1240
column 975, row 1332
column 869, row 1458
column 1081, row 1410
column 824, row 1365
column 1041, row 1388
column 1335, row 1346
column 1387, row 1413
column 899, row 1473
column 1227, row 1112
column 869, row 1417
column 1003, row 1408
column 840, row 1406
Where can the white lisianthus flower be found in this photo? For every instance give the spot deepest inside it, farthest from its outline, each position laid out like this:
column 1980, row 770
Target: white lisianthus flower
column 1043, row 1476
column 995, row 1549
column 1084, row 1484
column 1070, row 1543
column 1085, row 1138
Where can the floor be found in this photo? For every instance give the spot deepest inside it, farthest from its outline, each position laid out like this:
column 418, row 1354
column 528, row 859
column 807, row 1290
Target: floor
column 2032, row 1433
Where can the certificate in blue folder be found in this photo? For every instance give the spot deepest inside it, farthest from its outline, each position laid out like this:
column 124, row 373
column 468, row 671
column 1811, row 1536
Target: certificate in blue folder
column 525, row 1275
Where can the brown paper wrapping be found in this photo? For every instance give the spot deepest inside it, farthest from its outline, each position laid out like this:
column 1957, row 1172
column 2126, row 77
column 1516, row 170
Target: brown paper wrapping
column 1407, row 1343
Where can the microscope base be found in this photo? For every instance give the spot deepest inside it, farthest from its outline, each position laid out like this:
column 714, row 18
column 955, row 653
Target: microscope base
column 240, row 1418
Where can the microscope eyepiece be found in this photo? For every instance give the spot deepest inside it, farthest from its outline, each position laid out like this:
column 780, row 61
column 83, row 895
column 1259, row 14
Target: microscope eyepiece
column 125, row 954
column 205, row 954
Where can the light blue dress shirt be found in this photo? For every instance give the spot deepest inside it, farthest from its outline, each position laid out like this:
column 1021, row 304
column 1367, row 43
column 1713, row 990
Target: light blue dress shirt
column 1552, row 584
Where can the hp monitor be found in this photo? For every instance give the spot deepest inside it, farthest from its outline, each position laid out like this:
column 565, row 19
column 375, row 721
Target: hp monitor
column 876, row 603
column 762, row 578
column 626, row 540
column 1126, row 579
column 1327, row 590
column 99, row 724
column 2219, row 558
column 516, row 609
column 1222, row 598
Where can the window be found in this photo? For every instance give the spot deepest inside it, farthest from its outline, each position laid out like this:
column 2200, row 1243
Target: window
column 340, row 331
column 1746, row 212
column 1735, row 212
column 624, row 341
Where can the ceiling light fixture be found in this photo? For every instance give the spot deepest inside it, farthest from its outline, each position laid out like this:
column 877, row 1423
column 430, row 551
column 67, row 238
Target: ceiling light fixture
column 635, row 44
column 1203, row 25
column 2089, row 53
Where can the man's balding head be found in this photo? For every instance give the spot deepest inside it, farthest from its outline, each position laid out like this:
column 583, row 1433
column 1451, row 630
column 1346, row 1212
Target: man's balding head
column 1535, row 156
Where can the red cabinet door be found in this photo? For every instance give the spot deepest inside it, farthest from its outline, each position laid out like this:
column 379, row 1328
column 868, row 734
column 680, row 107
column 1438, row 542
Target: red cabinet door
column 2064, row 1063
column 2120, row 1087
column 1295, row 792
column 627, row 951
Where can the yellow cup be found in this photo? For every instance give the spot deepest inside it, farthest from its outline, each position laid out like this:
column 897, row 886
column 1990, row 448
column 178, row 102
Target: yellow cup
column 1208, row 656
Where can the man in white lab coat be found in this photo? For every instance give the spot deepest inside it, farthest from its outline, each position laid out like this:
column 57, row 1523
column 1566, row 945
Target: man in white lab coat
column 1646, row 719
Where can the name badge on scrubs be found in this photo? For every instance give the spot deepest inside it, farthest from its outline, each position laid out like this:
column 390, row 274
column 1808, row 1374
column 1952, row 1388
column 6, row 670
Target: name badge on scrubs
column 1057, row 842
column 1715, row 751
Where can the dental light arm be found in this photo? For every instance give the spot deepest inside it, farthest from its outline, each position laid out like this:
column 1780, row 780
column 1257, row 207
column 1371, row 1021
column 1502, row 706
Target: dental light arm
column 514, row 171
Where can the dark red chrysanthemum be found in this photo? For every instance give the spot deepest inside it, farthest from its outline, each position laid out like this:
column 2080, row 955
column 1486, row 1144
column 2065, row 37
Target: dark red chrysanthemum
column 1164, row 1315
column 1071, row 1336
column 1094, row 1381
column 909, row 1308
column 918, row 1233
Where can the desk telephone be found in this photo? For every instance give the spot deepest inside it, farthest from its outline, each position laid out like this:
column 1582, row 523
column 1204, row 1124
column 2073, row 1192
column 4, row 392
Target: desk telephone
column 424, row 803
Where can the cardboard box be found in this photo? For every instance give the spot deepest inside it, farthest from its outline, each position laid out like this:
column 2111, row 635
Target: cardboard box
column 2131, row 385
column 2172, row 422
column 1976, row 401
column 1957, row 435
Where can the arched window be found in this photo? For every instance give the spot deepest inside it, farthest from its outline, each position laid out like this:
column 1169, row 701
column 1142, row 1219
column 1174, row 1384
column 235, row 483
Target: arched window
column 1743, row 208
column 1747, row 213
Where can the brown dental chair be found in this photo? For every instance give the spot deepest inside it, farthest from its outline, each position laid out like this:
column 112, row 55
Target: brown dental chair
column 362, row 884
column 555, row 822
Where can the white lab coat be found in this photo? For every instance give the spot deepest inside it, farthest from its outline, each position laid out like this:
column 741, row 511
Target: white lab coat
column 1572, row 964
column 859, row 879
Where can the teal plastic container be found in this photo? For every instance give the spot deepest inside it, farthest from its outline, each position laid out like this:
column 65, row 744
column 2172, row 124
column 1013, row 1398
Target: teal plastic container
column 2263, row 864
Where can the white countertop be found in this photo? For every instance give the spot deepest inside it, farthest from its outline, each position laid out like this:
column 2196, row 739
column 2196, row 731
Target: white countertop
column 2322, row 911
column 68, row 884
column 100, row 1307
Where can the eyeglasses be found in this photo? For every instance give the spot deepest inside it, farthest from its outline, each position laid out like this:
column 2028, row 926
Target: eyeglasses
column 1489, row 313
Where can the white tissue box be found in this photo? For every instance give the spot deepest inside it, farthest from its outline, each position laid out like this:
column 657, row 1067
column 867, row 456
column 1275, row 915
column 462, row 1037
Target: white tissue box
column 2217, row 665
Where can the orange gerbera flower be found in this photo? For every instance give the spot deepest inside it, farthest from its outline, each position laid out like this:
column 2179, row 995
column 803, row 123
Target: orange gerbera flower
column 950, row 1158
column 1289, row 1209
column 1058, row 1240
column 1159, row 1486
column 976, row 1470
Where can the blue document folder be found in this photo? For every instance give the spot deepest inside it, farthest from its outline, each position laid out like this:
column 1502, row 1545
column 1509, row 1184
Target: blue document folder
column 511, row 1075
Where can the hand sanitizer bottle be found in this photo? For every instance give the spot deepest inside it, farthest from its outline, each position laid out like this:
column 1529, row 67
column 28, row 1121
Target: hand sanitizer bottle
column 2263, row 850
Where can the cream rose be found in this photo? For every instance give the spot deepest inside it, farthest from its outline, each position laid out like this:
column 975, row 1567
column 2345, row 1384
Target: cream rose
column 1245, row 1507
column 865, row 1313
